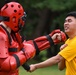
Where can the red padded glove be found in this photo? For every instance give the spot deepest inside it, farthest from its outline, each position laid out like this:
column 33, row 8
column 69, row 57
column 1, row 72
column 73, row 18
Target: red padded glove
column 54, row 31
column 63, row 36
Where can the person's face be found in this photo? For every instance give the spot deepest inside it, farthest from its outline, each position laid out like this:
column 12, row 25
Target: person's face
column 70, row 25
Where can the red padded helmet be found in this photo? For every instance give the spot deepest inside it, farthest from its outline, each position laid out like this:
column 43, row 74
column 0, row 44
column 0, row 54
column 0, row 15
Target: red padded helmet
column 13, row 15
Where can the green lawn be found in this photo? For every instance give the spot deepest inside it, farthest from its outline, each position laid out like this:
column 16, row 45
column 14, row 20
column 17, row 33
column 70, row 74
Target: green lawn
column 44, row 71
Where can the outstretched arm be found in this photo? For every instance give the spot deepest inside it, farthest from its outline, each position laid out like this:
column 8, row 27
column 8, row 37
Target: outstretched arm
column 45, row 42
column 42, row 42
column 49, row 62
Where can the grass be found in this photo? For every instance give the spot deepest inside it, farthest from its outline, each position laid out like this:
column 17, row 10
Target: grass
column 44, row 71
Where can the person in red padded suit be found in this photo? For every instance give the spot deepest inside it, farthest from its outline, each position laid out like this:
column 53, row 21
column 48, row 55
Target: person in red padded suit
column 13, row 51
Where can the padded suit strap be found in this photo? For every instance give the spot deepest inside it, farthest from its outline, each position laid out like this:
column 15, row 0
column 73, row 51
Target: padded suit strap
column 50, row 40
column 4, row 18
column 36, row 47
column 10, row 40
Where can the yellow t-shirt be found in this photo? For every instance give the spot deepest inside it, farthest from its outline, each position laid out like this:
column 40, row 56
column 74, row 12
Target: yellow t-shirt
column 69, row 53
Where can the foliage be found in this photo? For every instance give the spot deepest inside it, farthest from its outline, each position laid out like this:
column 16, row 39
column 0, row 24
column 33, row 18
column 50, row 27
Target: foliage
column 47, row 13
column 54, row 5
column 32, row 6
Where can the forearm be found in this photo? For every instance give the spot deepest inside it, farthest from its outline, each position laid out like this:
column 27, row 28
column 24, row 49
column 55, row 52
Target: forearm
column 49, row 62
column 41, row 42
column 61, row 64
column 47, row 41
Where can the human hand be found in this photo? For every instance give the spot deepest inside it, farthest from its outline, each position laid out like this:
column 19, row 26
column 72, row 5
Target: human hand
column 32, row 68
column 58, row 36
column 63, row 46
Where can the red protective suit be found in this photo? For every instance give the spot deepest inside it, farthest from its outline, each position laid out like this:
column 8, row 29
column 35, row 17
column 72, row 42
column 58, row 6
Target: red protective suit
column 14, row 52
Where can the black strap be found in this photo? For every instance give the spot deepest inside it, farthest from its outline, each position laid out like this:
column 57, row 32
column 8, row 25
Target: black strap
column 17, row 60
column 36, row 47
column 26, row 66
column 50, row 40
column 12, row 49
column 4, row 18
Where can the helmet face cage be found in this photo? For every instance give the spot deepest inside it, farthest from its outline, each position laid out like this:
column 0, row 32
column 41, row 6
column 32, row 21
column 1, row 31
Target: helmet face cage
column 24, row 16
column 22, row 20
column 16, row 15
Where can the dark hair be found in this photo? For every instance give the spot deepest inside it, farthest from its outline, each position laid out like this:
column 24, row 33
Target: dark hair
column 71, row 14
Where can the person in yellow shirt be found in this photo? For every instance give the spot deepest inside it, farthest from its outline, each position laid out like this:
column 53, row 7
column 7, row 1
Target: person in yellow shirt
column 66, row 58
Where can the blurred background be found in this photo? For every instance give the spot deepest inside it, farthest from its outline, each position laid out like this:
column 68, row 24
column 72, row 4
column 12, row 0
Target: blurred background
column 43, row 16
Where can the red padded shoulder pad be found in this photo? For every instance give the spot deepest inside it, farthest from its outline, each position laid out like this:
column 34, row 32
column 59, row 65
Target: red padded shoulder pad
column 3, row 44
